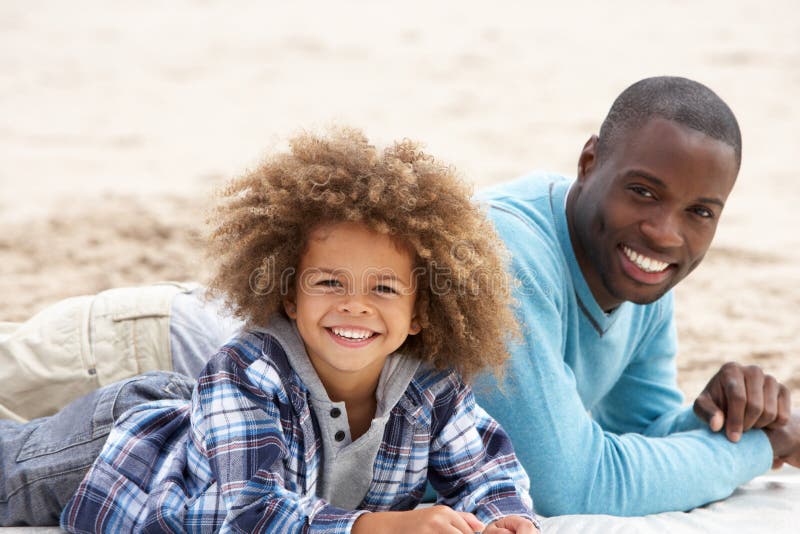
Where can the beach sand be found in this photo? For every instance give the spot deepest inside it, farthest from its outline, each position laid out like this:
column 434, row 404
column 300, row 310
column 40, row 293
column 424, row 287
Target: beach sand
column 116, row 124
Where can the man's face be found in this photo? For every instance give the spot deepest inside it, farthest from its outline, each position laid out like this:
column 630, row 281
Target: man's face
column 643, row 218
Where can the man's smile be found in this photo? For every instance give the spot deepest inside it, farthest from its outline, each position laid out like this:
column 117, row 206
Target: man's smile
column 644, row 269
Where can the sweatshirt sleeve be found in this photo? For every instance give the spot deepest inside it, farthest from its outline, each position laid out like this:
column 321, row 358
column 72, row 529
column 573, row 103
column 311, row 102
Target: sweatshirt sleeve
column 646, row 398
column 576, row 465
column 473, row 466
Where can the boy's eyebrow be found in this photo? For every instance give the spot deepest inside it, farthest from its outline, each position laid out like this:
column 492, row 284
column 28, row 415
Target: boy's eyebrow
column 393, row 277
column 389, row 274
column 637, row 173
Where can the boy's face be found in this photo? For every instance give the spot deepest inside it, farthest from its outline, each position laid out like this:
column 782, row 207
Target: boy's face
column 354, row 301
column 643, row 218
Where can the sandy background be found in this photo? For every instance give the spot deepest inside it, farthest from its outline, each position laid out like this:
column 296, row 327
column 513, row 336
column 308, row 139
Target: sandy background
column 117, row 122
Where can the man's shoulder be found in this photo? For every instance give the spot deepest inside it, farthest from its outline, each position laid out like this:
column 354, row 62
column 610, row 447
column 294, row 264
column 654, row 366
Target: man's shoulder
column 526, row 208
column 530, row 187
column 529, row 217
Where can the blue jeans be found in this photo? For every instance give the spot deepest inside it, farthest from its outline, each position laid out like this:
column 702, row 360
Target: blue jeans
column 43, row 461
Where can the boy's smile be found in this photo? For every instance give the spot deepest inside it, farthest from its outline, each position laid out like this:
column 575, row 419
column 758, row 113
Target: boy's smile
column 353, row 303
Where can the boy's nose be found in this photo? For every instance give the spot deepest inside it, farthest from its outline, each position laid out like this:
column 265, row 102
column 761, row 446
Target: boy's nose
column 354, row 305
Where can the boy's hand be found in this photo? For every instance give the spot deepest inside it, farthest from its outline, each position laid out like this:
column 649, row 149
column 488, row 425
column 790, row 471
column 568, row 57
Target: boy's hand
column 512, row 524
column 433, row 520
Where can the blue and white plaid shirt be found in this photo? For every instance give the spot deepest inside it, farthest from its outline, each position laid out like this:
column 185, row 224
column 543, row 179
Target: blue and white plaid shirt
column 246, row 455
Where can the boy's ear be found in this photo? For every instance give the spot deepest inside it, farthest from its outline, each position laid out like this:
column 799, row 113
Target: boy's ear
column 290, row 307
column 415, row 327
column 588, row 158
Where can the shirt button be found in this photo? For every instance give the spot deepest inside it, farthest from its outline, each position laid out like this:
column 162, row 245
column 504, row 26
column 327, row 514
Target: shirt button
column 339, row 436
column 336, row 412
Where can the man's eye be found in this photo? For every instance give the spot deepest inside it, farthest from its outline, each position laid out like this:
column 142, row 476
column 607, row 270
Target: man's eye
column 703, row 212
column 642, row 191
column 328, row 283
column 385, row 289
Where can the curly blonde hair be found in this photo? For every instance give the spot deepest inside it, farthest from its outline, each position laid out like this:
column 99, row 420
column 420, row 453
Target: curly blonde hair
column 260, row 227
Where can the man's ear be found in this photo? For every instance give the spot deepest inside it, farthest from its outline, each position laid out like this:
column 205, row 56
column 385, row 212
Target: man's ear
column 290, row 307
column 588, row 159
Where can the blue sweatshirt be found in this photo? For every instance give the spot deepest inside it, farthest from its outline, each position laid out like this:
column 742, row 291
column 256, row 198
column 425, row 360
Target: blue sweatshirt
column 590, row 399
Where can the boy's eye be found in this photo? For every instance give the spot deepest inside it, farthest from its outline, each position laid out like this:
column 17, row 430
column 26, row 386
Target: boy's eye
column 329, row 283
column 385, row 289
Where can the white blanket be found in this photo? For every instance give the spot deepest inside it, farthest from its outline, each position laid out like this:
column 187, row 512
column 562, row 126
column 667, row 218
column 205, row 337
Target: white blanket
column 769, row 504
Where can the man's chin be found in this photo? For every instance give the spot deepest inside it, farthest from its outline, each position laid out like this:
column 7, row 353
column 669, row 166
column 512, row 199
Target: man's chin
column 649, row 297
column 641, row 294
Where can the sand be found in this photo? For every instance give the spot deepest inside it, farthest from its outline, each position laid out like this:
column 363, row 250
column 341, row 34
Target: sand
column 116, row 123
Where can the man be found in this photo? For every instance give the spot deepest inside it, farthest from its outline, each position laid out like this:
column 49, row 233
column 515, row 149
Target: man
column 590, row 398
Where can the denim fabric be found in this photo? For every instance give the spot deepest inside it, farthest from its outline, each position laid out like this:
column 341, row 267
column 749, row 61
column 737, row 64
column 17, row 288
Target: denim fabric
column 45, row 459
column 198, row 327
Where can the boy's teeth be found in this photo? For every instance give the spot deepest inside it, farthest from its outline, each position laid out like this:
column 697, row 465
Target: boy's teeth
column 352, row 334
column 646, row 264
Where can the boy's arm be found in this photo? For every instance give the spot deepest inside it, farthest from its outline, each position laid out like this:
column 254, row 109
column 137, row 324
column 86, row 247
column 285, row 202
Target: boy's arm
column 472, row 465
column 239, row 428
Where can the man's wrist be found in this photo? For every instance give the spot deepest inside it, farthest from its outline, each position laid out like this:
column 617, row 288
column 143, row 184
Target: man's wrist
column 777, row 441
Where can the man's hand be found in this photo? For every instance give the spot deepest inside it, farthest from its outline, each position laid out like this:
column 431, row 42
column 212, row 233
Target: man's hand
column 432, row 520
column 743, row 397
column 512, row 524
column 785, row 441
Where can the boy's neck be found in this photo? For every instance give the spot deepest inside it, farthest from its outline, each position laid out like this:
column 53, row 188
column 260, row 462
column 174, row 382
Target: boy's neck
column 358, row 396
column 355, row 391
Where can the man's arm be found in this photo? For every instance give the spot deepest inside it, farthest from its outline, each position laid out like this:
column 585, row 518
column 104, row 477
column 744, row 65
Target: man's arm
column 576, row 466
column 646, row 399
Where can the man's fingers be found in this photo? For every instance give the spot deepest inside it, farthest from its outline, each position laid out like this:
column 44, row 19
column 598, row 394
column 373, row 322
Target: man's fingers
column 784, row 406
column 735, row 391
column 708, row 411
column 772, row 391
column 755, row 396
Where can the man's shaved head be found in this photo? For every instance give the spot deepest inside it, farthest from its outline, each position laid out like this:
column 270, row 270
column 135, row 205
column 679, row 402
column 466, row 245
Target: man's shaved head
column 681, row 100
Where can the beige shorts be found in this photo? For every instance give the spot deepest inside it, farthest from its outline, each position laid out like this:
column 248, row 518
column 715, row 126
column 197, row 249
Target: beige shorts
column 82, row 343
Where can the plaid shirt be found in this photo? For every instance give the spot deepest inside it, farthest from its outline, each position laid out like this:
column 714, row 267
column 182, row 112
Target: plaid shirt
column 245, row 456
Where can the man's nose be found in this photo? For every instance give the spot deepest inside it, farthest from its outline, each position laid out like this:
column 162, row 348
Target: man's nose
column 663, row 229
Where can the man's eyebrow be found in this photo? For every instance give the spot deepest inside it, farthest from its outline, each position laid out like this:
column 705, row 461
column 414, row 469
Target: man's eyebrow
column 636, row 173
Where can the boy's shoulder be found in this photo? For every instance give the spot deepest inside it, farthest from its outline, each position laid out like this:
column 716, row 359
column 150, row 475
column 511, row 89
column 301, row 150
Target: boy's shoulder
column 253, row 359
column 432, row 394
column 429, row 382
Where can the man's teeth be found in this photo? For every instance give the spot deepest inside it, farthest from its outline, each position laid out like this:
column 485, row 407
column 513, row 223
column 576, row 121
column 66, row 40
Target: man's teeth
column 646, row 264
column 351, row 333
